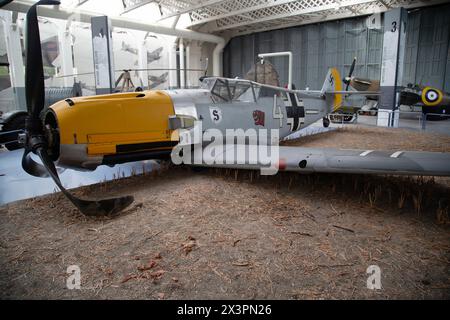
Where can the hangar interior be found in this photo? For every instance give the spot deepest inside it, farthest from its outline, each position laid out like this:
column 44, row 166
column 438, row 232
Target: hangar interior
column 320, row 34
column 317, row 47
column 355, row 95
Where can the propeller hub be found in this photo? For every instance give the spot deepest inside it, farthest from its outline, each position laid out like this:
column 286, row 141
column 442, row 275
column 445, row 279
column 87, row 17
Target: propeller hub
column 37, row 141
column 33, row 125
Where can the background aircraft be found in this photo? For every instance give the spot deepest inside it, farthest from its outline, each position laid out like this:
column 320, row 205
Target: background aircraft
column 429, row 99
column 157, row 81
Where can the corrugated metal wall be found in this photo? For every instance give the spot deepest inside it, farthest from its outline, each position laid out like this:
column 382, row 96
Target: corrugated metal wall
column 334, row 44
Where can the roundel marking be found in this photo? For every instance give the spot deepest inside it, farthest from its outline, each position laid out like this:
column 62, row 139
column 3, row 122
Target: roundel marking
column 431, row 96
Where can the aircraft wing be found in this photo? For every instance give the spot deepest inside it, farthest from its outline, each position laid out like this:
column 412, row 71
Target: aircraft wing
column 316, row 93
column 308, row 93
column 366, row 93
column 308, row 160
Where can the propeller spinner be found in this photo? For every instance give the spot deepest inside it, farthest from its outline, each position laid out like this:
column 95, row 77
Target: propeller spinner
column 37, row 138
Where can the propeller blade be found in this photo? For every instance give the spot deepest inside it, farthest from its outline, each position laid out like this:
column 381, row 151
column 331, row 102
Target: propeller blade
column 32, row 167
column 34, row 70
column 35, row 169
column 36, row 141
column 352, row 68
column 87, row 207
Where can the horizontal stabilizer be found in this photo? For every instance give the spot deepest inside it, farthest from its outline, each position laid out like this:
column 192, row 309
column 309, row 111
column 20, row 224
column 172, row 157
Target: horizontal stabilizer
column 366, row 93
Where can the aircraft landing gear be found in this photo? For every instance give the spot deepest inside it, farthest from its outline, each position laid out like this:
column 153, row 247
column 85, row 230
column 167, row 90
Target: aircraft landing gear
column 326, row 122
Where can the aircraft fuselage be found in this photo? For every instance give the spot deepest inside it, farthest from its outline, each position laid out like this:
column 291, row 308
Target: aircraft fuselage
column 109, row 129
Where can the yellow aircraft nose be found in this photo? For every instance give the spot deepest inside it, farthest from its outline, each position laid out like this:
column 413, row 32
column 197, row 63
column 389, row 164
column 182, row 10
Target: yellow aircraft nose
column 113, row 124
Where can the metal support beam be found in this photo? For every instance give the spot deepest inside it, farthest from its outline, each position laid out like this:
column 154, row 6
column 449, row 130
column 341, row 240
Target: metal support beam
column 253, row 27
column 135, row 5
column 121, row 22
column 193, row 8
column 143, row 65
column 173, row 83
column 384, row 4
column 394, row 43
column 182, row 66
column 188, row 64
column 116, row 22
column 175, row 22
column 103, row 55
column 269, row 17
column 14, row 52
column 281, row 54
column 65, row 45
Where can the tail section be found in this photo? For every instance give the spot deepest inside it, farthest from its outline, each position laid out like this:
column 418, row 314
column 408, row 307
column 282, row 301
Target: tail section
column 333, row 82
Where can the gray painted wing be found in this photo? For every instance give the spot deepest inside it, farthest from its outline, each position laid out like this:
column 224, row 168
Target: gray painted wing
column 309, row 160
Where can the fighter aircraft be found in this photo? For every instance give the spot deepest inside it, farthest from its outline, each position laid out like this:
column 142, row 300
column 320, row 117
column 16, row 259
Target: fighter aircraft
column 86, row 132
column 154, row 55
column 156, row 81
column 128, row 48
column 430, row 99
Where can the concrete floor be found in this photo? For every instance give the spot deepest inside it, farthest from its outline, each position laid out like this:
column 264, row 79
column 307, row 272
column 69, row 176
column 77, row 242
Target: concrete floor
column 412, row 122
column 16, row 184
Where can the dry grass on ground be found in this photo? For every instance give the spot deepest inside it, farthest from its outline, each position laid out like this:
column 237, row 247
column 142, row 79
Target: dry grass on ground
column 358, row 137
column 227, row 234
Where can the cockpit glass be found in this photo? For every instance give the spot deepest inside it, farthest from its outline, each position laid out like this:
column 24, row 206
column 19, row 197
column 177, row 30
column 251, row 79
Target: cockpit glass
column 257, row 90
column 228, row 90
column 207, row 83
column 241, row 91
column 220, row 92
column 269, row 92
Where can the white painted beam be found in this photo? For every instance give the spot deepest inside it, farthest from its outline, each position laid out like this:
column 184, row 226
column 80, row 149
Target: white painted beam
column 314, row 9
column 201, row 5
column 243, row 9
column 136, row 6
column 329, row 17
column 281, row 54
column 125, row 23
column 312, row 6
column 118, row 22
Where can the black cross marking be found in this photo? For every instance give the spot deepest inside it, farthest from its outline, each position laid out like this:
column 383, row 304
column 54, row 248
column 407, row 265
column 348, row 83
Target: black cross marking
column 295, row 112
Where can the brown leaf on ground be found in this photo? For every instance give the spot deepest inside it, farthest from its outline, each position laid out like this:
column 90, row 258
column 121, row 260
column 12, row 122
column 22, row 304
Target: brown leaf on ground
column 241, row 263
column 148, row 266
column 128, row 277
column 157, row 274
column 158, row 256
column 188, row 246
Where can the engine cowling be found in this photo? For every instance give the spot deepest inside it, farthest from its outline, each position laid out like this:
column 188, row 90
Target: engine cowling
column 86, row 130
